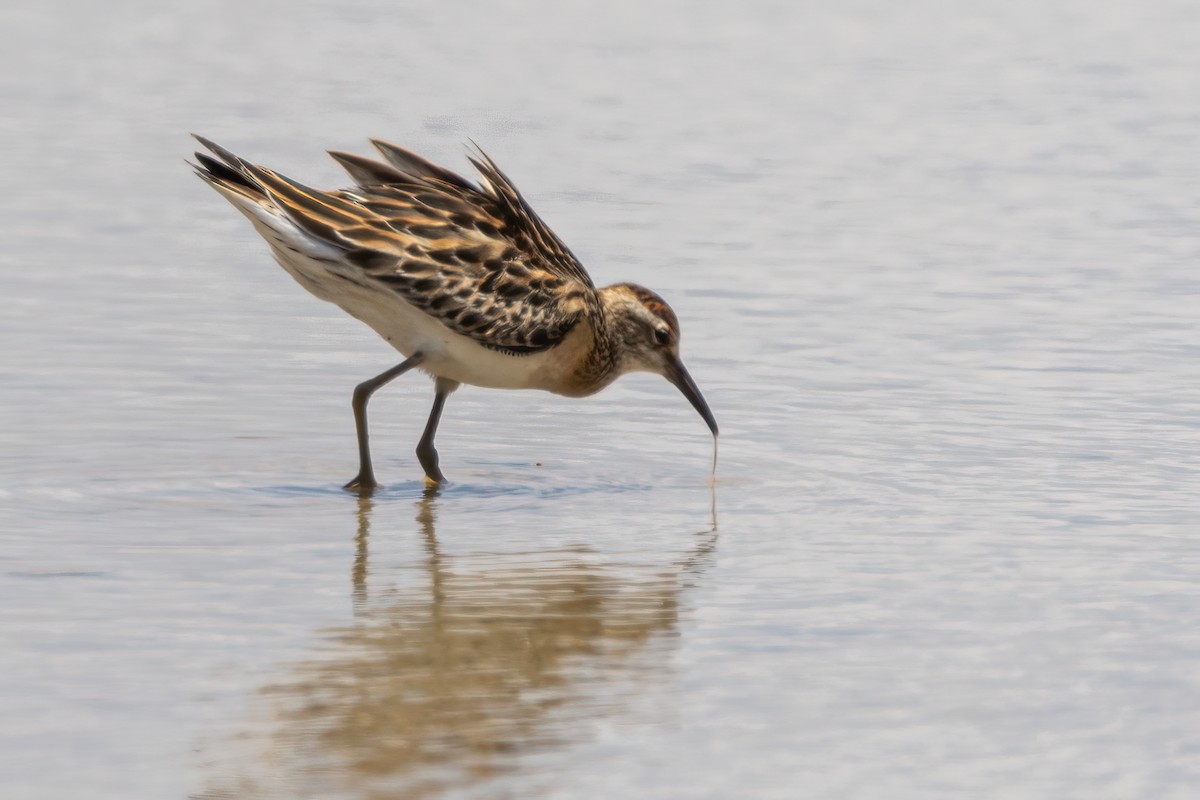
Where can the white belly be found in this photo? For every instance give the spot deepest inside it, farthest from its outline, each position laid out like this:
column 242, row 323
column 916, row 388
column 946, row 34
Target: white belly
column 410, row 330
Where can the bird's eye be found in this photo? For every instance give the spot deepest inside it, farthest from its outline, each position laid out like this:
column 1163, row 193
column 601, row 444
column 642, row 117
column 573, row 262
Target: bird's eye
column 662, row 336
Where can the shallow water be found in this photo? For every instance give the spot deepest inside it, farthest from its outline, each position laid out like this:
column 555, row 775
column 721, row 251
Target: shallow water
column 937, row 274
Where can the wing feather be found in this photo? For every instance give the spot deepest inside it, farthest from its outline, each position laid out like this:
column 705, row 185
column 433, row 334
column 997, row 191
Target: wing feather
column 527, row 228
column 478, row 259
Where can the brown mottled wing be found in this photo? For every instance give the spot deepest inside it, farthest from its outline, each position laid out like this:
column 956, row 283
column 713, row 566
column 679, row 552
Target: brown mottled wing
column 502, row 304
column 525, row 228
column 484, row 267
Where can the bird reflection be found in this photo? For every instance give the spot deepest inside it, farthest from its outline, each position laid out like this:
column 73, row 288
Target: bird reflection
column 436, row 689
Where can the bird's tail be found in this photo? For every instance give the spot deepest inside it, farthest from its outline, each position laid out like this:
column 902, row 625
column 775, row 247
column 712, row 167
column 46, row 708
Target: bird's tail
column 255, row 191
column 227, row 173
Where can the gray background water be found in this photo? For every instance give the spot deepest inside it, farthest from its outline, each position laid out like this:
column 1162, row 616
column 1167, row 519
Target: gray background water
column 937, row 265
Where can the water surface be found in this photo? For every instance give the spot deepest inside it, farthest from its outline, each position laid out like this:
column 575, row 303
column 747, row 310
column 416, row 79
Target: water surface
column 937, row 274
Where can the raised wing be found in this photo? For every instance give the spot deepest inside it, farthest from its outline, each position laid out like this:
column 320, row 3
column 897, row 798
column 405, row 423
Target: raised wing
column 525, row 228
column 477, row 259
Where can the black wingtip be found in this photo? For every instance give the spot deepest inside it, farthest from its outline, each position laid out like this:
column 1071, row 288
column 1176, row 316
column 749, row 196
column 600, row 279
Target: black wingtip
column 366, row 171
column 219, row 170
column 481, row 153
column 200, row 171
column 225, row 155
column 410, row 163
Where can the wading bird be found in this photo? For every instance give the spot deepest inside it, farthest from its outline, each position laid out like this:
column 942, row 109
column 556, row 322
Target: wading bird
column 465, row 280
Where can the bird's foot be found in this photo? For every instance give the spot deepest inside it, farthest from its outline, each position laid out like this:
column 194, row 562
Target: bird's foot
column 362, row 484
column 427, row 457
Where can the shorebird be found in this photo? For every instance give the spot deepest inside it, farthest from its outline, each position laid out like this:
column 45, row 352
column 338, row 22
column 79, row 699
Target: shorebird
column 464, row 279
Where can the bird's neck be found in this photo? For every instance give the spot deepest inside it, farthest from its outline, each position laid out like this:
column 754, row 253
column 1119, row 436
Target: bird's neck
column 599, row 362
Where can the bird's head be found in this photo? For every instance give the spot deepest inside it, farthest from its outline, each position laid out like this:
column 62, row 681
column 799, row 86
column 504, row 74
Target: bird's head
column 646, row 333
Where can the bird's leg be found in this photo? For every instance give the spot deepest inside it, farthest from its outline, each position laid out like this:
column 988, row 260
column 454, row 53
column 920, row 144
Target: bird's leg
column 426, row 453
column 364, row 482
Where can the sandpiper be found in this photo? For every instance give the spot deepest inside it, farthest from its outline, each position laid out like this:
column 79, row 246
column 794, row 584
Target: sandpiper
column 465, row 280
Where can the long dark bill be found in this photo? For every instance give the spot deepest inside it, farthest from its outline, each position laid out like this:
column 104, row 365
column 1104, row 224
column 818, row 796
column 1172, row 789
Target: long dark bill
column 679, row 377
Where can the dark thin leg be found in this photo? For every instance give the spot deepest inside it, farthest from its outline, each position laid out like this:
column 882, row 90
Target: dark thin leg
column 364, row 482
column 426, row 453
